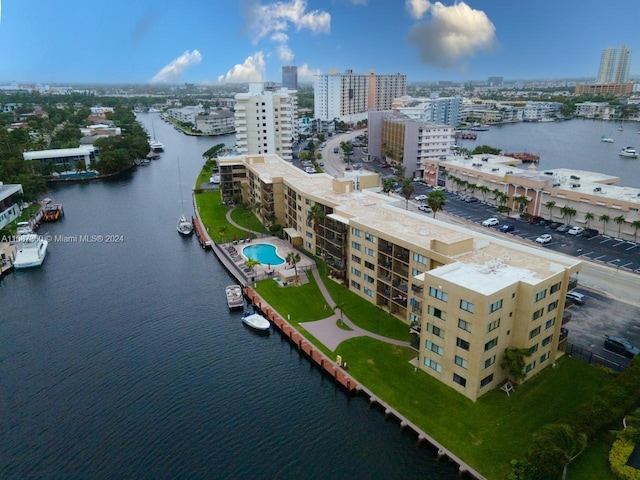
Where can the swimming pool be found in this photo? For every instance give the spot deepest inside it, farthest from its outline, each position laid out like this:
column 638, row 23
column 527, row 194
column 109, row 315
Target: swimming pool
column 264, row 253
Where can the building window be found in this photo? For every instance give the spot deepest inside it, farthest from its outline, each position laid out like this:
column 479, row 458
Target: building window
column 434, row 365
column 459, row 380
column 355, row 259
column 535, row 332
column 530, row 367
column 533, row 349
column 489, row 361
column 463, row 344
column 493, row 325
column 369, row 265
column 310, row 235
column 490, row 344
column 495, row 306
column 436, row 312
column 466, row 306
column 420, row 258
column 355, row 245
column 547, row 340
column 537, row 314
column 486, row 380
column 435, row 330
column 355, row 284
column 461, row 362
column 549, row 323
column 368, row 251
column 540, row 295
column 356, row 272
column 466, row 326
column 544, row 357
column 370, row 237
column 434, row 347
column 368, row 291
column 555, row 288
column 552, row 306
column 370, row 279
column 355, row 231
column 439, row 294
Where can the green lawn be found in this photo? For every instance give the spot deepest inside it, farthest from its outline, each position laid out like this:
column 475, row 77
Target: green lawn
column 213, row 215
column 243, row 216
column 593, row 463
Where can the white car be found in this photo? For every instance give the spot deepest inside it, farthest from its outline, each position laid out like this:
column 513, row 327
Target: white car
column 575, row 231
column 544, row 238
column 425, row 208
column 438, row 187
column 490, row 222
column 420, row 198
column 417, row 179
column 214, row 179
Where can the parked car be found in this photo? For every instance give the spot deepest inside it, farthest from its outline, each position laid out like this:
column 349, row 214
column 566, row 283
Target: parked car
column 563, row 228
column 575, row 230
column 576, row 297
column 534, row 219
column 417, row 179
column 590, row 232
column 490, row 222
column 420, row 198
column 425, row 208
column 544, row 238
column 321, row 164
column 470, row 199
column 621, row 346
column 554, row 225
column 438, row 187
column 336, row 150
column 507, row 227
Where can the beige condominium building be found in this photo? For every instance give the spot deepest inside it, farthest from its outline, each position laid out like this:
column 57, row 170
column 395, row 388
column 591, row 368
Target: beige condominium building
column 469, row 296
column 576, row 197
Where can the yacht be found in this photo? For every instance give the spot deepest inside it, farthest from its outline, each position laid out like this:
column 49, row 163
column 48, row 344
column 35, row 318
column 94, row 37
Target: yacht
column 156, row 145
column 30, row 251
column 628, row 152
column 234, row 297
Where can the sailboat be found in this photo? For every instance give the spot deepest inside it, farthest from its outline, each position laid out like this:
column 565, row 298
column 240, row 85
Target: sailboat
column 154, row 144
column 184, row 226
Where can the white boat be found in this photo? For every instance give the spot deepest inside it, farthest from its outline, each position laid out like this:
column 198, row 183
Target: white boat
column 620, row 128
column 257, row 321
column 156, row 145
column 606, row 139
column 480, row 128
column 185, row 226
column 628, row 152
column 234, row 296
column 547, row 119
column 30, row 251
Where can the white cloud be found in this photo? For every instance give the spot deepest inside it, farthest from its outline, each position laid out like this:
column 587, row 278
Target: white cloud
column 277, row 17
column 280, row 37
column 285, row 54
column 417, row 8
column 252, row 70
column 306, row 74
column 172, row 72
column 453, row 33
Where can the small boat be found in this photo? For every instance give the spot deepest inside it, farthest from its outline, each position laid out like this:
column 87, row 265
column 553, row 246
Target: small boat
column 52, row 212
column 620, row 128
column 257, row 321
column 480, row 128
column 234, row 296
column 606, row 139
column 30, row 251
column 628, row 152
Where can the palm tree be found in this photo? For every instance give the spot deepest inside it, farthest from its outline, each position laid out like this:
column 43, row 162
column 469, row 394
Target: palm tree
column 387, row 185
column 293, row 258
column 560, row 439
column 604, row 219
column 314, row 216
column 619, row 221
column 407, row 190
column 522, row 202
column 550, row 204
column 436, row 200
column 567, row 212
column 588, row 217
column 484, row 190
column 636, row 225
column 513, row 361
column 340, row 306
column 251, row 262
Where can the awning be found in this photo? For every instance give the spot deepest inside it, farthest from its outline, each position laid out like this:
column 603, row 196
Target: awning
column 292, row 233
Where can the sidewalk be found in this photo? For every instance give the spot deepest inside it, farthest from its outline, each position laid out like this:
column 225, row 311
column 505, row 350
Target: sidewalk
column 327, row 330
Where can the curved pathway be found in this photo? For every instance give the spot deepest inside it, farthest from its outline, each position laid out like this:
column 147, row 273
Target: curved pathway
column 327, row 331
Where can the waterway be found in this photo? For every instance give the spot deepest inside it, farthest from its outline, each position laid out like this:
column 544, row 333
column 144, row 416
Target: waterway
column 120, row 359
column 571, row 144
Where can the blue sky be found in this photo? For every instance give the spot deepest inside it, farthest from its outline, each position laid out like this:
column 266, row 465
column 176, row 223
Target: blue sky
column 230, row 41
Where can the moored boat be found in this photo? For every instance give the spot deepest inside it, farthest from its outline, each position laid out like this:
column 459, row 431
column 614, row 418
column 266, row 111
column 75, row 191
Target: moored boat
column 156, row 145
column 524, row 157
column 257, row 321
column 234, row 296
column 606, row 139
column 480, row 128
column 629, row 152
column 30, row 251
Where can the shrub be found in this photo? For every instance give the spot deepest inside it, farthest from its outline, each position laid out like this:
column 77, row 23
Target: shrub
column 618, row 458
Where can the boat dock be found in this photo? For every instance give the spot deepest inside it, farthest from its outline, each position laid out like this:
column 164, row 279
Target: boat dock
column 201, row 233
column 7, row 256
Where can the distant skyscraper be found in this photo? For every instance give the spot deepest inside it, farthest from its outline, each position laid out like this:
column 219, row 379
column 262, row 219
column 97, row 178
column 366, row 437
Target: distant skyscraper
column 495, row 81
column 290, row 77
column 624, row 62
column 607, row 65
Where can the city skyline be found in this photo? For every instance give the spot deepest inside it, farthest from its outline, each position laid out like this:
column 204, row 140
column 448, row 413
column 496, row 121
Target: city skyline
column 241, row 42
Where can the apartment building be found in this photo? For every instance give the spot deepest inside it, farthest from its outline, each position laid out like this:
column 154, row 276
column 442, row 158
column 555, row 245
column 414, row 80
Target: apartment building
column 398, row 138
column 266, row 120
column 218, row 122
column 348, row 96
column 290, row 77
column 10, row 202
column 186, row 114
column 467, row 295
column 440, row 110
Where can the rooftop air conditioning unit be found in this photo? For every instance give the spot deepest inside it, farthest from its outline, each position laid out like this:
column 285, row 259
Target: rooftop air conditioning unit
column 597, row 189
column 575, row 185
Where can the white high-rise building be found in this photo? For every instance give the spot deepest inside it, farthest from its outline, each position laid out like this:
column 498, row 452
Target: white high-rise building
column 348, row 96
column 265, row 119
column 607, row 65
column 614, row 65
column 624, row 63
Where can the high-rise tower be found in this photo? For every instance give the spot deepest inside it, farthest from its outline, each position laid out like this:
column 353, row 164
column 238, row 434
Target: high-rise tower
column 622, row 68
column 607, row 65
column 290, row 77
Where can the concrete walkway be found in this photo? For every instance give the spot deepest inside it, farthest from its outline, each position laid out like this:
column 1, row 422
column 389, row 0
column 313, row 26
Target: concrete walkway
column 327, row 330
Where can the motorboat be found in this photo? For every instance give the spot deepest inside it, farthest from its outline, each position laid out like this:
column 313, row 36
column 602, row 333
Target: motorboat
column 480, row 128
column 30, row 251
column 628, row 152
column 234, row 296
column 257, row 321
column 606, row 139
column 185, row 226
column 156, row 145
